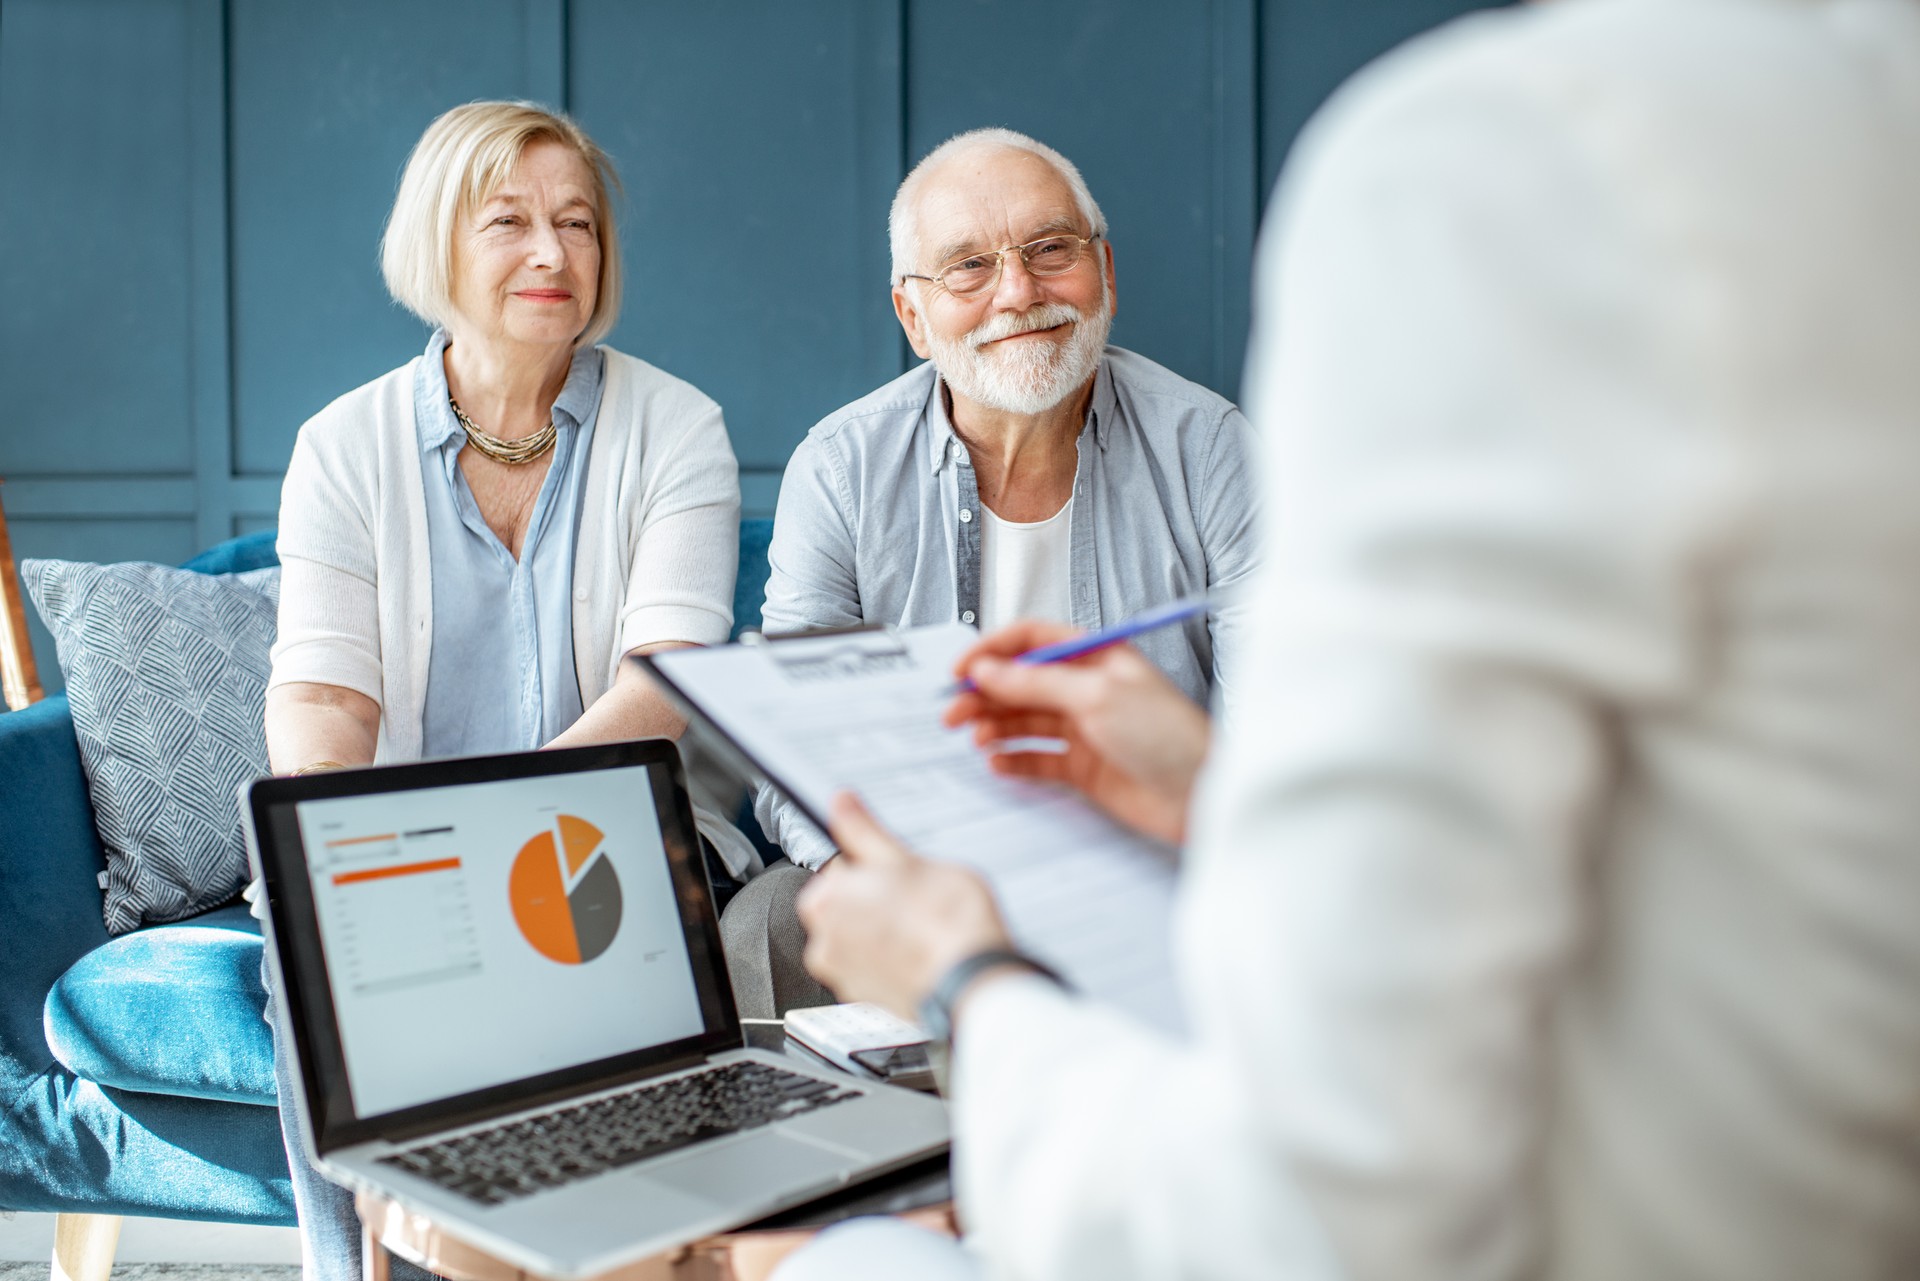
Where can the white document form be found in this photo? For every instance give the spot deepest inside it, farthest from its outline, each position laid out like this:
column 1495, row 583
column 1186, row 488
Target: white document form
column 860, row 711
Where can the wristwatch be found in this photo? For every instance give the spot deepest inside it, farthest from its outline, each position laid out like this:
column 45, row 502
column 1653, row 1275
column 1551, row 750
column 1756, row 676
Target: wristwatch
column 936, row 1012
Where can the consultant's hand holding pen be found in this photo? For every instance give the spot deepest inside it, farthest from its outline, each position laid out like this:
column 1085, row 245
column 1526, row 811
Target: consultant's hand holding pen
column 1076, row 644
column 1134, row 742
column 884, row 923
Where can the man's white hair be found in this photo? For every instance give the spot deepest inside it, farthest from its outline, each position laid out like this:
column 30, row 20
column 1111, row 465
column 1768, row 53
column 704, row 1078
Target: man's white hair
column 903, row 223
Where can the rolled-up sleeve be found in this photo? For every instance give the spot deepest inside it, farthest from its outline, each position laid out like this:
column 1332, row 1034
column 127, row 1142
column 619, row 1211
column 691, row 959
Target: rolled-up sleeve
column 813, row 580
column 1226, row 510
column 329, row 628
column 687, row 549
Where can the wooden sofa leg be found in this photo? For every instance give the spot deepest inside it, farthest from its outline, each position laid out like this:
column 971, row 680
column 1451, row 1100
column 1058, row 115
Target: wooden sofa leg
column 83, row 1246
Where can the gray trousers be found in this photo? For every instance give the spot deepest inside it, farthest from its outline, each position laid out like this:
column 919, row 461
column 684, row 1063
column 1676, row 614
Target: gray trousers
column 764, row 941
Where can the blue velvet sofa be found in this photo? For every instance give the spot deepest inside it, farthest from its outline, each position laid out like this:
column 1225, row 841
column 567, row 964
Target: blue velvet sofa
column 136, row 1075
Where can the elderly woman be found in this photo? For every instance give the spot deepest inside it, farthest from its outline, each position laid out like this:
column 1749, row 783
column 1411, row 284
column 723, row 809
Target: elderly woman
column 473, row 542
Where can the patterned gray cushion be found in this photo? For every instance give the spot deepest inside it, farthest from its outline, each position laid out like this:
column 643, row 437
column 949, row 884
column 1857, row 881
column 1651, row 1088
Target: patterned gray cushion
column 167, row 675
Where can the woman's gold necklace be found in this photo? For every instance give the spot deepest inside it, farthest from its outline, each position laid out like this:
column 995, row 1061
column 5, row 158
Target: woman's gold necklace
column 510, row 452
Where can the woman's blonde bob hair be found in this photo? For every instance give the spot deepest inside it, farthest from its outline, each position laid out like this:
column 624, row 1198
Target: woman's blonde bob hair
column 459, row 162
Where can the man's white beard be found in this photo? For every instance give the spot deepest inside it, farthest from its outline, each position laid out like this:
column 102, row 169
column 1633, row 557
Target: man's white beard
column 1028, row 377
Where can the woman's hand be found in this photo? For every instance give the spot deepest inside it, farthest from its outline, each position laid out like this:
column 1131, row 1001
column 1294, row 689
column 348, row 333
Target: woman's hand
column 883, row 924
column 1134, row 741
column 309, row 724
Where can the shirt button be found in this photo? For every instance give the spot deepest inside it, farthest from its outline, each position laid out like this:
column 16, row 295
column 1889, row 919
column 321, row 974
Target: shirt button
column 966, row 514
column 966, row 616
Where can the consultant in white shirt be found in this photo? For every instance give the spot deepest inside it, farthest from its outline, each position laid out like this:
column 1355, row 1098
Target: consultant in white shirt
column 1554, row 905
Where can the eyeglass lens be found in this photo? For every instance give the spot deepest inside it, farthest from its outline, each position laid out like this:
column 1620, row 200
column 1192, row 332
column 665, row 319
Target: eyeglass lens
column 1052, row 256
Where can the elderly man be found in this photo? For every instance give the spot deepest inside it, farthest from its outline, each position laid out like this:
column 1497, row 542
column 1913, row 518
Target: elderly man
column 1027, row 470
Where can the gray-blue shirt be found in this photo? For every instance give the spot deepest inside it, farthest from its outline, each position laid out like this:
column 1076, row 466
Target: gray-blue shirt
column 500, row 676
column 878, row 523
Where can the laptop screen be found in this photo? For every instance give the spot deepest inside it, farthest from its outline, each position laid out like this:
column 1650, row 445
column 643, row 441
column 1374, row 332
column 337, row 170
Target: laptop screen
column 464, row 935
column 511, row 929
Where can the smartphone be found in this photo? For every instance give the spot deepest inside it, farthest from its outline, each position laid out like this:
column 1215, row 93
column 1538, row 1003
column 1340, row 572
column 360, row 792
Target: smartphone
column 906, row 1065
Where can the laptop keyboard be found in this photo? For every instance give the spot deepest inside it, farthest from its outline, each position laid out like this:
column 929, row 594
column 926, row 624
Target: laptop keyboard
column 556, row 1148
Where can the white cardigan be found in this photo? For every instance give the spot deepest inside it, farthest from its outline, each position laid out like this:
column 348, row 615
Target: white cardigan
column 655, row 560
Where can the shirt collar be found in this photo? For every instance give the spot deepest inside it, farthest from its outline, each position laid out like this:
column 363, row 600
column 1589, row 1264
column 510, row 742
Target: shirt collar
column 1104, row 408
column 434, row 417
column 1101, row 412
column 581, row 392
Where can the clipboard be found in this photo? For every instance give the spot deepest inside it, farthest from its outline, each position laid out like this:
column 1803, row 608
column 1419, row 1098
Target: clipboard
column 723, row 746
column 812, row 718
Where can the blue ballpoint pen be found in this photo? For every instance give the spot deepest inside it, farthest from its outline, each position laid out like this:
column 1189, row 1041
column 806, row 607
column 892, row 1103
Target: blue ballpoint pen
column 1185, row 607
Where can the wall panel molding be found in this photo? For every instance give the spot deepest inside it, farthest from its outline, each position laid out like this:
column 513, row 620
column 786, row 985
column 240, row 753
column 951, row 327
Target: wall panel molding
column 546, row 52
column 212, row 389
column 759, row 144
column 226, row 167
column 1236, row 193
column 759, row 490
column 77, row 498
column 882, row 162
column 254, row 495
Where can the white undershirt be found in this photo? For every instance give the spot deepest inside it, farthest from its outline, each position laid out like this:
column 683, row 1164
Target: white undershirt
column 1025, row 568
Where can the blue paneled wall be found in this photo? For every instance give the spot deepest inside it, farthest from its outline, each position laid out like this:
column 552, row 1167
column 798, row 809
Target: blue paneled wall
column 194, row 190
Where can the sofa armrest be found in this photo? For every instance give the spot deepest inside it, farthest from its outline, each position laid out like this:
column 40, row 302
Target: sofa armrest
column 50, row 897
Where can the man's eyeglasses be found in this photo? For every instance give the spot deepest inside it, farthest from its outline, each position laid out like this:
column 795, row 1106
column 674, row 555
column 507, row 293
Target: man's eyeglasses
column 975, row 274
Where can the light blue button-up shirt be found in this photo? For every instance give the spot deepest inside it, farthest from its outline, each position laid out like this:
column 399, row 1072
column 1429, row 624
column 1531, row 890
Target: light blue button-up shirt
column 500, row 676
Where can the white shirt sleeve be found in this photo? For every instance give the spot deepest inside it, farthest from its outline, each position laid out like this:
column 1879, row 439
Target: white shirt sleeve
column 1485, row 510
column 329, row 620
column 687, row 551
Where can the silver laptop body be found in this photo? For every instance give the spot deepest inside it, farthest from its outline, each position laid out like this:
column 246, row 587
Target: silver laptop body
column 529, row 941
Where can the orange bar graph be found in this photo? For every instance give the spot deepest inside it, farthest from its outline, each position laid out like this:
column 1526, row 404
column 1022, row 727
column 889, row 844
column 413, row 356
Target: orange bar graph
column 364, row 840
column 403, row 869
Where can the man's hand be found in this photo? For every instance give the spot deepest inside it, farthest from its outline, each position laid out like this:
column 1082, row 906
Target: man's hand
column 1134, row 741
column 884, row 924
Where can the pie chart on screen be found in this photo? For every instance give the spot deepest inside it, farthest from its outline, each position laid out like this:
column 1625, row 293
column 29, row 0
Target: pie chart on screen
column 565, row 895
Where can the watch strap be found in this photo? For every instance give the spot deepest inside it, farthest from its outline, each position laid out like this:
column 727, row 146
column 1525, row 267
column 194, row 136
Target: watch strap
column 936, row 1012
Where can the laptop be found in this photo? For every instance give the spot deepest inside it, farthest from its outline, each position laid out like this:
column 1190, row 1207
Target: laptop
column 505, row 990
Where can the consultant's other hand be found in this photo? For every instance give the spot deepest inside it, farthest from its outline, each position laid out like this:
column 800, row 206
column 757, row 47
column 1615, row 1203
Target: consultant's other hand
column 1133, row 742
column 884, row 924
